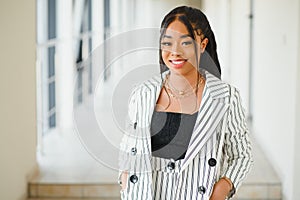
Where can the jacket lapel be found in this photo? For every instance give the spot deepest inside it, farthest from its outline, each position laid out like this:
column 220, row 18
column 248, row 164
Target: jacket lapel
column 212, row 109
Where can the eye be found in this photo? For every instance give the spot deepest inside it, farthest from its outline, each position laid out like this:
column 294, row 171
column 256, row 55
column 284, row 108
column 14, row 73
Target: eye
column 186, row 43
column 166, row 43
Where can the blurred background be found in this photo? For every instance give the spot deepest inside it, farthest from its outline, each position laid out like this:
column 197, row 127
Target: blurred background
column 60, row 77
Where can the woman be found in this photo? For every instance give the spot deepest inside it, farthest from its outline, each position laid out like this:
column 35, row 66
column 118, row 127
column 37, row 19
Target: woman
column 187, row 136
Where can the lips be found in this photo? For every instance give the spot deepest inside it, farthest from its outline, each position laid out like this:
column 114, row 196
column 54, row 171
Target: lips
column 177, row 63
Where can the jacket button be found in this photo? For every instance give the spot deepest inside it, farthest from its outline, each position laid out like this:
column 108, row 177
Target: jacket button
column 133, row 151
column 133, row 178
column 171, row 165
column 135, row 124
column 201, row 190
column 212, row 162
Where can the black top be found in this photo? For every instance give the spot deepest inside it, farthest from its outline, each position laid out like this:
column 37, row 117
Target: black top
column 171, row 133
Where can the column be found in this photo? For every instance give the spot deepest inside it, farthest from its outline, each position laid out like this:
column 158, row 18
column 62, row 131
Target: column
column 64, row 65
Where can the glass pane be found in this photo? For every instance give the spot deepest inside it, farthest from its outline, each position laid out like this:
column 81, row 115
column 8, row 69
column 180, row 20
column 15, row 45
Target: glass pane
column 106, row 14
column 51, row 61
column 90, row 68
column 51, row 19
column 79, row 87
column 51, row 95
column 89, row 15
column 52, row 120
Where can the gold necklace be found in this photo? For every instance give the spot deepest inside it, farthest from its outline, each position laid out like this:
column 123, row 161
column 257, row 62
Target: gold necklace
column 180, row 94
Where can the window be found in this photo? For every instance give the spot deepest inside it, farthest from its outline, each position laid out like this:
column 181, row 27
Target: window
column 83, row 66
column 53, row 54
column 46, row 53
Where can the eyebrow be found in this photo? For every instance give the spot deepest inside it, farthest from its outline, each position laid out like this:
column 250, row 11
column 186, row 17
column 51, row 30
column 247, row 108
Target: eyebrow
column 183, row 36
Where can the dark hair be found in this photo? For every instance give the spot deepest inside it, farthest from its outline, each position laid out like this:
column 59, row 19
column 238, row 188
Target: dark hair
column 194, row 20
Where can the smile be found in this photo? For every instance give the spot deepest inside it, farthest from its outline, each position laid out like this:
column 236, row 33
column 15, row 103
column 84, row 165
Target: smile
column 178, row 63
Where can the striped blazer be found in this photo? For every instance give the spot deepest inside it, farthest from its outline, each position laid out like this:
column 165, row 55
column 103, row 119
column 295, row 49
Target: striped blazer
column 219, row 146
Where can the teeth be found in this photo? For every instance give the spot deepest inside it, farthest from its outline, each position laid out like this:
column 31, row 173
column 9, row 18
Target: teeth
column 177, row 62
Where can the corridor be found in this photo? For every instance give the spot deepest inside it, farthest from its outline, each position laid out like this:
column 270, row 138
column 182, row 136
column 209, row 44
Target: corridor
column 68, row 68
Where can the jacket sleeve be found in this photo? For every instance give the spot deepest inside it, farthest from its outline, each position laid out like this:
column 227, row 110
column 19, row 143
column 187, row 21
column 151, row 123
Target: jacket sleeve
column 127, row 141
column 237, row 144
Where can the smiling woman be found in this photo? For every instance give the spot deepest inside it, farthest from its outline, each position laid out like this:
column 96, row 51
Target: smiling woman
column 187, row 135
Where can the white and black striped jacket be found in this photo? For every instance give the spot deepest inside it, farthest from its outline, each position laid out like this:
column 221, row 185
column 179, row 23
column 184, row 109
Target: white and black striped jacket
column 219, row 146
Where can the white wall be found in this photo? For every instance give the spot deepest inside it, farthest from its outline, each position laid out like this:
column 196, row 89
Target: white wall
column 230, row 22
column 275, row 77
column 276, row 74
column 18, row 97
column 296, row 192
column 296, row 176
column 153, row 15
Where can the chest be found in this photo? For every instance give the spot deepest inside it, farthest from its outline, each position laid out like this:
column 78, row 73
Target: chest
column 169, row 103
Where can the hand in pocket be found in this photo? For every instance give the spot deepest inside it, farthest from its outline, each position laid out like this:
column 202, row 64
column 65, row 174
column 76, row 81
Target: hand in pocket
column 124, row 176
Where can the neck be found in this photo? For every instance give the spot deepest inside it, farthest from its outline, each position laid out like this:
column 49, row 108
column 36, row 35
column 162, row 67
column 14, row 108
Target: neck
column 182, row 82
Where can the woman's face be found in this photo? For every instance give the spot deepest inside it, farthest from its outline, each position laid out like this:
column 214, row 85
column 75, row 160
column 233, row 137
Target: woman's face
column 178, row 49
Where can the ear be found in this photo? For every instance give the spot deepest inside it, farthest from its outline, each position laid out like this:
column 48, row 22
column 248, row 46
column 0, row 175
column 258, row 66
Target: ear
column 203, row 44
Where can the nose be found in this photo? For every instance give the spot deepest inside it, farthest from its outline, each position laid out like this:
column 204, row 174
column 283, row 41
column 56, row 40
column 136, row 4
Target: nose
column 176, row 50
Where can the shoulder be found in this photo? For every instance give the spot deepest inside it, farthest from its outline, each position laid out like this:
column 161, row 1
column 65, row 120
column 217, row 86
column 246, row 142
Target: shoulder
column 219, row 88
column 149, row 84
column 146, row 86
